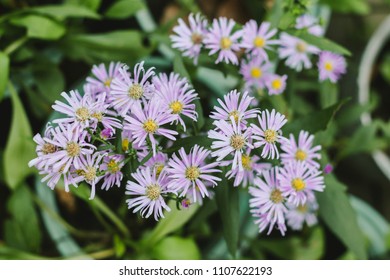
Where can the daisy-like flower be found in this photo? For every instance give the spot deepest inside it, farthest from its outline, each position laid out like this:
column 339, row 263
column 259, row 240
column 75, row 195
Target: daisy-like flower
column 52, row 177
column 302, row 150
column 148, row 190
column 102, row 77
column 147, row 122
column 275, row 84
column 43, row 148
column 220, row 39
column 268, row 201
column 189, row 39
column 255, row 71
column 71, row 148
column 252, row 167
column 298, row 182
column 78, row 109
column 331, row 66
column 297, row 216
column 157, row 162
column 230, row 139
column 174, row 80
column 257, row 39
column 89, row 171
column 234, row 106
column 112, row 166
column 268, row 134
column 178, row 98
column 310, row 23
column 100, row 113
column 189, row 174
column 296, row 51
column 126, row 91
column 263, row 223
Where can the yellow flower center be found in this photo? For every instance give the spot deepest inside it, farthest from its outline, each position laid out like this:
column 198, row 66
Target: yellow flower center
column 276, row 84
column 300, row 155
column 196, row 38
column 90, row 173
column 276, row 196
column 113, row 166
column 176, row 107
column 226, row 43
column 246, row 162
column 298, row 184
column 237, row 142
column 259, row 42
column 328, row 66
column 256, row 72
column 302, row 208
column 82, row 113
column 98, row 116
column 48, row 148
column 150, row 126
column 153, row 192
column 270, row 135
column 159, row 167
column 73, row 149
column 235, row 114
column 107, row 82
column 125, row 145
column 136, row 91
column 301, row 47
column 192, row 173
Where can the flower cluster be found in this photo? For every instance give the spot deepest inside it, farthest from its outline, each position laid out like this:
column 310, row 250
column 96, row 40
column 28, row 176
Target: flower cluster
column 250, row 47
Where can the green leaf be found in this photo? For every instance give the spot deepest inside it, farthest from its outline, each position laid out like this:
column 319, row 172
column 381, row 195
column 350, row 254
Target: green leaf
column 374, row 226
column 4, row 66
column 328, row 94
column 124, row 8
column 22, row 231
column 320, row 42
column 174, row 220
column 49, row 80
column 189, row 142
column 198, row 108
column 349, row 6
column 65, row 11
column 20, row 148
column 339, row 216
column 179, row 68
column 176, row 248
column 226, row 197
column 92, row 5
column 313, row 122
column 40, row 27
column 119, row 246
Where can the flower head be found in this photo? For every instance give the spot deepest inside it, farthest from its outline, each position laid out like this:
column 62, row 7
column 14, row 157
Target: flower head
column 221, row 39
column 268, row 133
column 297, row 216
column 102, row 77
column 112, row 166
column 331, row 66
column 189, row 38
column 275, row 84
column 189, row 174
column 255, row 72
column 310, row 23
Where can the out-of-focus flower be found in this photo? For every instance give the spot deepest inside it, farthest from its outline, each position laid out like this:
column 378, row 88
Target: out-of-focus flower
column 331, row 66
column 276, row 84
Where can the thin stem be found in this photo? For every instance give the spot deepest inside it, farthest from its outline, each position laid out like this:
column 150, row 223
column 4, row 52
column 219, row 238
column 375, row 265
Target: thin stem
column 15, row 45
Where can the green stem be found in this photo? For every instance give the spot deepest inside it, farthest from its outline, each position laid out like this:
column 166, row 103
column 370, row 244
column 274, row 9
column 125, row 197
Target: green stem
column 15, row 45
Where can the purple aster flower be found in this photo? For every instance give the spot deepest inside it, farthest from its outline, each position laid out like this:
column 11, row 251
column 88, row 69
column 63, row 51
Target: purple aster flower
column 305, row 213
column 331, row 66
column 157, row 162
column 302, row 150
column 310, row 23
column 71, row 148
column 252, row 167
column 43, row 148
column 129, row 145
column 268, row 134
column 275, row 84
column 298, row 182
column 147, row 191
column 268, row 201
column 174, row 80
column 234, row 106
column 229, row 139
column 102, row 79
column 102, row 114
column 189, row 39
column 185, row 203
column 78, row 109
column 257, row 39
column 328, row 168
column 189, row 174
column 220, row 39
column 177, row 98
column 147, row 122
column 296, row 51
column 126, row 91
column 264, row 223
column 106, row 133
column 255, row 72
column 112, row 166
column 89, row 171
column 52, row 177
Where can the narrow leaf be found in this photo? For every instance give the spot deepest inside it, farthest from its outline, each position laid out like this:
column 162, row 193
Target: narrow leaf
column 4, row 66
column 40, row 27
column 65, row 11
column 124, row 8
